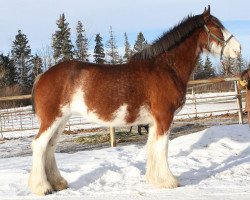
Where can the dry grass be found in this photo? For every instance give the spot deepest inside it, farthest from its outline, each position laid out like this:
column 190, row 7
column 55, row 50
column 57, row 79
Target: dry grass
column 121, row 137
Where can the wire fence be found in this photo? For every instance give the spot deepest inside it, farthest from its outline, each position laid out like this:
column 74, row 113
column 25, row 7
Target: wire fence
column 197, row 105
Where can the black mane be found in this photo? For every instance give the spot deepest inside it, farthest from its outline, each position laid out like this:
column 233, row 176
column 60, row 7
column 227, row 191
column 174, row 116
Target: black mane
column 171, row 38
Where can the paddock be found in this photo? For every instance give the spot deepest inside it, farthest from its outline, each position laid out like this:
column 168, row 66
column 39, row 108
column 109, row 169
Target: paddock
column 22, row 119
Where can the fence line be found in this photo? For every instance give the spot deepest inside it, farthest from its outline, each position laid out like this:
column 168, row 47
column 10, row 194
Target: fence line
column 23, row 118
column 212, row 80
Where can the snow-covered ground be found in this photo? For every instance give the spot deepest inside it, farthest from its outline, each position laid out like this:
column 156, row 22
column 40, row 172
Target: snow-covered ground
column 211, row 164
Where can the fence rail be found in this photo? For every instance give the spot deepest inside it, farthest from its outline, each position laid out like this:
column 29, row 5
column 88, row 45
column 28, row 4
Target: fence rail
column 14, row 98
column 23, row 118
column 212, row 80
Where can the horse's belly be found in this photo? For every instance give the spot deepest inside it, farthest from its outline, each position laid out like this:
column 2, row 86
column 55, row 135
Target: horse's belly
column 119, row 117
column 77, row 106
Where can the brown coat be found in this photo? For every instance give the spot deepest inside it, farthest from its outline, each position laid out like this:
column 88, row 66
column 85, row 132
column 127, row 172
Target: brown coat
column 247, row 106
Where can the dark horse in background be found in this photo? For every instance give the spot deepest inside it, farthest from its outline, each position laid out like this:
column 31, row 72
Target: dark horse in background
column 149, row 89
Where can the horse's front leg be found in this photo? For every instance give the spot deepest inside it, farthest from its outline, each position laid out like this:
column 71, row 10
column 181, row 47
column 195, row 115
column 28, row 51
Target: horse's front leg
column 158, row 172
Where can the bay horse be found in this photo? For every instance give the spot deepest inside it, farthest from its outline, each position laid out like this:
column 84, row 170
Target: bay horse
column 149, row 89
column 245, row 84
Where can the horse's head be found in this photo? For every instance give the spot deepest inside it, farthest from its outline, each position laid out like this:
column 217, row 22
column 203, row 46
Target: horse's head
column 217, row 39
column 245, row 78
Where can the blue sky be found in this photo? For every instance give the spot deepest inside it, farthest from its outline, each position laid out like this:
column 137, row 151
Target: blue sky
column 37, row 19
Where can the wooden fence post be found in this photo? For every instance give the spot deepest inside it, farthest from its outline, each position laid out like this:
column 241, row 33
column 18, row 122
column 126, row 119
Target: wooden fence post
column 21, row 121
column 69, row 125
column 1, row 136
column 194, row 102
column 239, row 101
column 112, row 137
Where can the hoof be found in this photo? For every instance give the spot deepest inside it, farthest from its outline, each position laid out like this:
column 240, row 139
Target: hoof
column 40, row 187
column 60, row 185
column 42, row 190
column 49, row 191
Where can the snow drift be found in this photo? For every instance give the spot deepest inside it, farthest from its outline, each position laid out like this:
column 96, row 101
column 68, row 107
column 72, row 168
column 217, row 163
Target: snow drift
column 211, row 164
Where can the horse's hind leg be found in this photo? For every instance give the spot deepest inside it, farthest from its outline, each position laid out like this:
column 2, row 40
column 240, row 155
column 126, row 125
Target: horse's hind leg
column 53, row 175
column 158, row 172
column 38, row 181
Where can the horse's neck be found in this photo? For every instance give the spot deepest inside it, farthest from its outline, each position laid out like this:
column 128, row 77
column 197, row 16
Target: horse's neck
column 183, row 58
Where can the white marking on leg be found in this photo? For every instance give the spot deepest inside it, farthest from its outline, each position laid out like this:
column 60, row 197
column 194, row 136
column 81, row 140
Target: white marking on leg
column 38, row 182
column 53, row 174
column 158, row 172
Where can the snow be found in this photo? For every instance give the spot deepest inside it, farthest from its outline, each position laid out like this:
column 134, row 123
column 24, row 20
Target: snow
column 211, row 164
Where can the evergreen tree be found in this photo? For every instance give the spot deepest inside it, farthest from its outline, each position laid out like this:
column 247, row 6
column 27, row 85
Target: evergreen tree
column 21, row 55
column 128, row 52
column 8, row 71
column 227, row 66
column 99, row 54
column 112, row 50
column 3, row 70
column 37, row 66
column 239, row 64
column 140, row 43
column 208, row 68
column 81, row 51
column 61, row 42
column 199, row 69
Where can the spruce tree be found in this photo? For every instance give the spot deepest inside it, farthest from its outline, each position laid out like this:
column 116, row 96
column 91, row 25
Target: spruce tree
column 8, row 71
column 21, row 55
column 81, row 51
column 239, row 64
column 99, row 55
column 61, row 42
column 227, row 66
column 140, row 43
column 199, row 69
column 128, row 52
column 37, row 66
column 3, row 71
column 112, row 51
column 208, row 68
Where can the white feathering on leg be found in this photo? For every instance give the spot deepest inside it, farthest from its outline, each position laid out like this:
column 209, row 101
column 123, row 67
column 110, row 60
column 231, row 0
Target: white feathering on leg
column 158, row 172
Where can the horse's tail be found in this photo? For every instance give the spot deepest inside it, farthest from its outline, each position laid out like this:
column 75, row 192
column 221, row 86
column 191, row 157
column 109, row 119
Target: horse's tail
column 33, row 93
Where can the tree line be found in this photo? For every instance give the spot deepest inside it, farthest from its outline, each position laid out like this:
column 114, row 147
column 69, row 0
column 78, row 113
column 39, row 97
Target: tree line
column 228, row 67
column 20, row 67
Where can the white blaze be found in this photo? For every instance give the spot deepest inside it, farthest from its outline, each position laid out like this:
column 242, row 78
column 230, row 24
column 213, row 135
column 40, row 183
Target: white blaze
column 232, row 48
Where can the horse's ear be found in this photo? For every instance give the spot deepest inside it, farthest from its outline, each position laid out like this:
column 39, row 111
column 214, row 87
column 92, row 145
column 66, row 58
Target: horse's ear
column 206, row 13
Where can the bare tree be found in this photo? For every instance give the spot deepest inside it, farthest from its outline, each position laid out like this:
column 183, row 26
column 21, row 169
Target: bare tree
column 46, row 54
